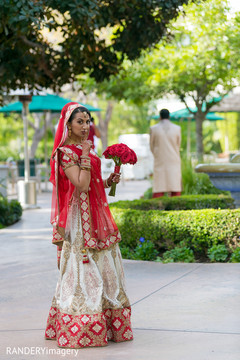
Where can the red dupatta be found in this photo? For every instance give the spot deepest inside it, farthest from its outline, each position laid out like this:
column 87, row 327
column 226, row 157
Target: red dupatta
column 98, row 226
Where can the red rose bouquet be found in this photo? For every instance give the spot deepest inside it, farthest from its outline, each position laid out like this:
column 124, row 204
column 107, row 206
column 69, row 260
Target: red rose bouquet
column 121, row 154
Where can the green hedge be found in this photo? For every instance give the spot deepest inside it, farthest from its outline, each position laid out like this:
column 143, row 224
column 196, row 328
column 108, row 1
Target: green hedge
column 186, row 202
column 10, row 212
column 198, row 229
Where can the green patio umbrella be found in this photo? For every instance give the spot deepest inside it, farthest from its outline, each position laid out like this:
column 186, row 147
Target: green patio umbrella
column 185, row 115
column 41, row 103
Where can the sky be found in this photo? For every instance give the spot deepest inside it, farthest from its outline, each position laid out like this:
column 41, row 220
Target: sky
column 235, row 4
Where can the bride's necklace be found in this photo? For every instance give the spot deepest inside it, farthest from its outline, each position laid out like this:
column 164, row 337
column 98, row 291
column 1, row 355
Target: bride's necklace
column 72, row 142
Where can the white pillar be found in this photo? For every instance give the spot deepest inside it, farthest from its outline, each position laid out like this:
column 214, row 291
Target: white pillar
column 26, row 188
column 25, row 132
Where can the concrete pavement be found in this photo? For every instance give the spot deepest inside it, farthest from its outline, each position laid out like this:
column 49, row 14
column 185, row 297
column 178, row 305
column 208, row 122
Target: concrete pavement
column 179, row 311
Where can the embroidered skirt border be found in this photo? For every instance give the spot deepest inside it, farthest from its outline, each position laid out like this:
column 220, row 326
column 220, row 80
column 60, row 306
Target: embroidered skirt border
column 78, row 331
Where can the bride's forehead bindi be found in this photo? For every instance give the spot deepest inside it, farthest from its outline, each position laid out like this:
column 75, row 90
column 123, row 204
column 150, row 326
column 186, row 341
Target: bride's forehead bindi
column 82, row 116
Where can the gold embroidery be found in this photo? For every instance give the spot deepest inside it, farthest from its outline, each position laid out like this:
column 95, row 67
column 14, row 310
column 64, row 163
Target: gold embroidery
column 109, row 280
column 95, row 254
column 93, row 288
column 68, row 285
column 89, row 330
column 61, row 231
column 66, row 166
column 66, row 255
column 70, row 153
column 122, row 298
column 54, row 302
column 114, row 251
column 81, row 294
column 78, row 304
column 107, row 304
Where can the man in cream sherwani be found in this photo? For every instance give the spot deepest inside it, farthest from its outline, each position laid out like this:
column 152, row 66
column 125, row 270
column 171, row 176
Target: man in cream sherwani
column 165, row 140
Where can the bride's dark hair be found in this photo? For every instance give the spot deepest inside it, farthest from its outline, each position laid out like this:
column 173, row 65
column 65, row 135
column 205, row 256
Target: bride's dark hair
column 78, row 110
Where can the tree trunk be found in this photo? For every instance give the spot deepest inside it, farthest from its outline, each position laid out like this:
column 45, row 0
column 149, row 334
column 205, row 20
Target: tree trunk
column 37, row 137
column 103, row 121
column 103, row 127
column 103, row 124
column 39, row 131
column 199, row 135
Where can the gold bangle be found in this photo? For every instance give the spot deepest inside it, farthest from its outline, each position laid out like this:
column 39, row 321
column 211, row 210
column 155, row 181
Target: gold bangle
column 106, row 184
column 85, row 168
column 85, row 162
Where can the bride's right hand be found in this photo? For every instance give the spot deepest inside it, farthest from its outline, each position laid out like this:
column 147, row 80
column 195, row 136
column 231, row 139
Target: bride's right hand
column 86, row 147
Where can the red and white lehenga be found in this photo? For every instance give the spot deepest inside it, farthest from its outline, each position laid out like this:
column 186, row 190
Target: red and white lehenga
column 90, row 305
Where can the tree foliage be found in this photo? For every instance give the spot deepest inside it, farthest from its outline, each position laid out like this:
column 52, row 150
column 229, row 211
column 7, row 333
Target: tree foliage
column 229, row 134
column 201, row 62
column 128, row 84
column 47, row 43
column 122, row 92
column 10, row 136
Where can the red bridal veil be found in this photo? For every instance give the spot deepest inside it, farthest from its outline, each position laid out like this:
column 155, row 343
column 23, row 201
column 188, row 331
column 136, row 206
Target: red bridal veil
column 103, row 229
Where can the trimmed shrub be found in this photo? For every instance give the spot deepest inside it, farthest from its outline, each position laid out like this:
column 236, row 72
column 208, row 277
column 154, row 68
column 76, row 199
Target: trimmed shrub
column 192, row 183
column 235, row 257
column 180, row 253
column 126, row 252
column 10, row 212
column 199, row 229
column 218, row 253
column 186, row 202
column 145, row 250
column 196, row 183
column 148, row 193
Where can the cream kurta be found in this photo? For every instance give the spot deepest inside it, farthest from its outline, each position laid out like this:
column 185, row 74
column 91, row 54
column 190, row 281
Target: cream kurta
column 165, row 140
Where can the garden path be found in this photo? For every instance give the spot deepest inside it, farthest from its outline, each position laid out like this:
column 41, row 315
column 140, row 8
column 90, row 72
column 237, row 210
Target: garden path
column 179, row 311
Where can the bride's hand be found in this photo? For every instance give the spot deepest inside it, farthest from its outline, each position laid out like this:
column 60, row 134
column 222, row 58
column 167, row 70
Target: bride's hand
column 86, row 147
column 114, row 177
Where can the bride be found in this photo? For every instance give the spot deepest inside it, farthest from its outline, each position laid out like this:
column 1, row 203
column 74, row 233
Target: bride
column 90, row 305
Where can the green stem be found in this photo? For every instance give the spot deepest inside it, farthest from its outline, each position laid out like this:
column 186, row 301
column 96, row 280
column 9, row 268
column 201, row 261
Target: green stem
column 112, row 191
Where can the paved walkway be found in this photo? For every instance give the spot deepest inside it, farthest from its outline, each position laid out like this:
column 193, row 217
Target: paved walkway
column 179, row 311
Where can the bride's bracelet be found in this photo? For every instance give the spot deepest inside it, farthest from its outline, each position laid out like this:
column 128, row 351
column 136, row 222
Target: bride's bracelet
column 85, row 168
column 85, row 162
column 106, row 184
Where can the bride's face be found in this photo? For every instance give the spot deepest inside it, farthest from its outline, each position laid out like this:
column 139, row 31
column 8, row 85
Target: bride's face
column 81, row 125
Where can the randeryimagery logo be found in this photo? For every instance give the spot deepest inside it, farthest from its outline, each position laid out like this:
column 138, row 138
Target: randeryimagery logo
column 39, row 350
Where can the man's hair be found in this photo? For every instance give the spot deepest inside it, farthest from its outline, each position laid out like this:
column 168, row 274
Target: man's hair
column 164, row 114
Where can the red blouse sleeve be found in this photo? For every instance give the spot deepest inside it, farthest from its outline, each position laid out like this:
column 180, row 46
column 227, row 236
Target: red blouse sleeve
column 66, row 160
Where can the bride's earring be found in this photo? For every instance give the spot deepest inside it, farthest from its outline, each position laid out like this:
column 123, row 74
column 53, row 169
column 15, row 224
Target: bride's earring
column 69, row 132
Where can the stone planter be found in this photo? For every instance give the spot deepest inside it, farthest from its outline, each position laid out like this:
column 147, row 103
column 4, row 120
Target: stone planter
column 224, row 177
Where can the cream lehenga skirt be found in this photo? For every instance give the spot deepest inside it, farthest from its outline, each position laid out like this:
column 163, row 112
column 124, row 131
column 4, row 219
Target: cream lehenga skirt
column 90, row 305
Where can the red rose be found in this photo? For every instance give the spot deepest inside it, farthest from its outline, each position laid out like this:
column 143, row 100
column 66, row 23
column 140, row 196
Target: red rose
column 120, row 149
column 126, row 157
column 133, row 159
column 121, row 154
column 111, row 152
column 108, row 152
